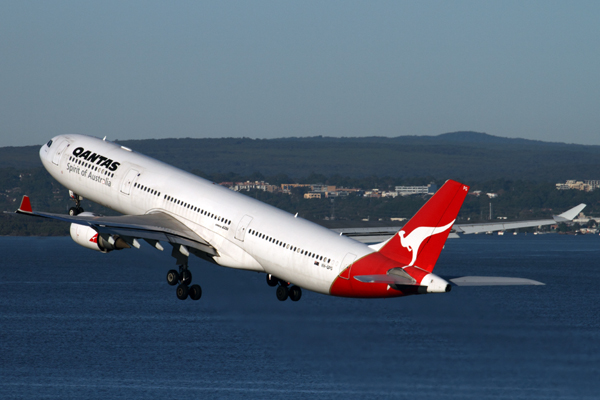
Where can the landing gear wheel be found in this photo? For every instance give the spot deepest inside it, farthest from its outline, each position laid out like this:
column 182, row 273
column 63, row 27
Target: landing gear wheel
column 182, row 292
column 74, row 211
column 295, row 293
column 271, row 280
column 172, row 277
column 195, row 292
column 282, row 293
column 186, row 277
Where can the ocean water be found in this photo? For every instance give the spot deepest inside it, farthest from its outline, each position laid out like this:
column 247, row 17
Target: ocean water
column 79, row 324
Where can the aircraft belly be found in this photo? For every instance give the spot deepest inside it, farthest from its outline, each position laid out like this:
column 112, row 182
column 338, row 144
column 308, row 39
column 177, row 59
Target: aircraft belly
column 299, row 269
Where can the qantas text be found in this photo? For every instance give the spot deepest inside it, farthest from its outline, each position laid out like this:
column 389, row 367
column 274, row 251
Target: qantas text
column 99, row 160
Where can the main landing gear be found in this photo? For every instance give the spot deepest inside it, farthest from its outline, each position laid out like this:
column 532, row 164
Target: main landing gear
column 184, row 278
column 284, row 291
column 77, row 209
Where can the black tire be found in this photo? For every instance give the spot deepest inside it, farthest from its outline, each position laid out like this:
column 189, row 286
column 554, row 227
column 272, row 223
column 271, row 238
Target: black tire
column 73, row 211
column 295, row 293
column 182, row 292
column 282, row 293
column 172, row 277
column 79, row 210
column 195, row 292
column 271, row 280
column 186, row 277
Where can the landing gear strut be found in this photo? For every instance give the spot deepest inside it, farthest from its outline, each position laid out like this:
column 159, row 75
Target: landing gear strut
column 77, row 209
column 183, row 277
column 284, row 292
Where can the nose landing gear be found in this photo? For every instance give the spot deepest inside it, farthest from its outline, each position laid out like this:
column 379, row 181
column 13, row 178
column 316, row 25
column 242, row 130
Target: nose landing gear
column 77, row 209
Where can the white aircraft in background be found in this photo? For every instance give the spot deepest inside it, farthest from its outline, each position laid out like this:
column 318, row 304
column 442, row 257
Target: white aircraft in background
column 162, row 204
column 373, row 235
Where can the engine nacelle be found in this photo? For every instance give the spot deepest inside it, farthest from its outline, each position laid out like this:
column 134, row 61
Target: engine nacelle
column 87, row 237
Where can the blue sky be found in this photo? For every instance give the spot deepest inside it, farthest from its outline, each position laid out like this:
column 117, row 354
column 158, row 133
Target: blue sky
column 266, row 69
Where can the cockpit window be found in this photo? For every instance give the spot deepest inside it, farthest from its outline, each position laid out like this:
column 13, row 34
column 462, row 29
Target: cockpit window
column 49, row 143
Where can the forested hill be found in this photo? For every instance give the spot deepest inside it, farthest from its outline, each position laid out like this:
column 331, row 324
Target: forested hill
column 467, row 156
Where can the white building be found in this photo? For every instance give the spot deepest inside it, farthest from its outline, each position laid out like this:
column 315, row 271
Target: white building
column 408, row 190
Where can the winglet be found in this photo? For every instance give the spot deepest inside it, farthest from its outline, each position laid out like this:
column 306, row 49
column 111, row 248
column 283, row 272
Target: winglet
column 25, row 206
column 569, row 214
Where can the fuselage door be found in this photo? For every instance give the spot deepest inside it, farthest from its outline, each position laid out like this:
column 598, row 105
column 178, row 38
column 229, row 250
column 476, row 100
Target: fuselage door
column 240, row 232
column 62, row 146
column 347, row 263
column 128, row 180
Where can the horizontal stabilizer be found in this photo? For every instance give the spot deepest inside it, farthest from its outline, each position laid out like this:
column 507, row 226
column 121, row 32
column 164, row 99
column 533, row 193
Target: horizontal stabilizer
column 389, row 279
column 491, row 281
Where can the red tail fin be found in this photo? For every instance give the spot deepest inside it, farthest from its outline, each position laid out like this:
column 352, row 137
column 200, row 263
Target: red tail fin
column 421, row 240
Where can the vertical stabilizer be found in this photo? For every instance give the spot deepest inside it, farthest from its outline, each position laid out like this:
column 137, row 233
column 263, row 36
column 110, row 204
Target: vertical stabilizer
column 420, row 242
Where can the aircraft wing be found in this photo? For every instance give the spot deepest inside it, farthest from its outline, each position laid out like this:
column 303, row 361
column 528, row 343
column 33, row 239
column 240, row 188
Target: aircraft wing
column 500, row 226
column 377, row 235
column 153, row 227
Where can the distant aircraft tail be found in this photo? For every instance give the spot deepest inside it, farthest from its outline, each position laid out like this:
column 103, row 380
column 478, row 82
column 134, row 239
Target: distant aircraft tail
column 420, row 242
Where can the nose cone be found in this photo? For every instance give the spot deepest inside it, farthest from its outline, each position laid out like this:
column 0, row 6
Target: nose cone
column 48, row 149
column 45, row 149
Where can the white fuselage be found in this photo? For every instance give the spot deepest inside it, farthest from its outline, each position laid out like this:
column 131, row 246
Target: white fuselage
column 247, row 233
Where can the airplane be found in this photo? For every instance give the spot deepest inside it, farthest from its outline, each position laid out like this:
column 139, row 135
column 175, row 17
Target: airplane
column 161, row 204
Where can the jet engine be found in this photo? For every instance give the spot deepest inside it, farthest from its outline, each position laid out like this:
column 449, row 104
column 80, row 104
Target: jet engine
column 87, row 237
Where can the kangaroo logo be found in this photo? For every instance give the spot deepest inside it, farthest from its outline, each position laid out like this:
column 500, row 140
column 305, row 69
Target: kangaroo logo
column 414, row 239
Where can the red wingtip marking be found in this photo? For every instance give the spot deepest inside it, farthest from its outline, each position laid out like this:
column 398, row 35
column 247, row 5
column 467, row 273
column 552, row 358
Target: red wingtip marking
column 25, row 205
